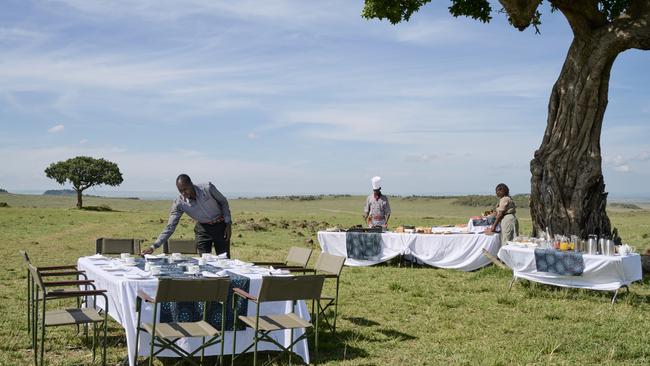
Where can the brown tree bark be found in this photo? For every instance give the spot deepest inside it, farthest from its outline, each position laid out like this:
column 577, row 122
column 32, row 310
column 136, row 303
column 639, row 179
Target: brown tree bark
column 79, row 199
column 567, row 186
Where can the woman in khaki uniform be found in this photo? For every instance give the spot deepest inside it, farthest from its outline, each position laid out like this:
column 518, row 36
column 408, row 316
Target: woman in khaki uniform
column 505, row 215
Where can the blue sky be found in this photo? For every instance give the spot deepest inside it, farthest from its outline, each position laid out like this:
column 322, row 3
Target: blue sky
column 293, row 97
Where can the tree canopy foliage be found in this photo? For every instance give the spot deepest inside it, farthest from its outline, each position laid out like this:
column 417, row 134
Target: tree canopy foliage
column 522, row 13
column 84, row 172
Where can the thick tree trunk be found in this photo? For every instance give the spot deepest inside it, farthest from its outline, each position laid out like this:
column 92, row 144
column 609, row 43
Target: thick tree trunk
column 79, row 200
column 567, row 188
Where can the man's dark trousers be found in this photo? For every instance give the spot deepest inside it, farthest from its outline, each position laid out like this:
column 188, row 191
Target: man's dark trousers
column 208, row 234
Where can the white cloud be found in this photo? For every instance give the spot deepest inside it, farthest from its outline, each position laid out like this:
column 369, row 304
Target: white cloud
column 148, row 171
column 643, row 156
column 56, row 129
column 20, row 34
column 427, row 32
column 83, row 141
column 619, row 163
column 253, row 136
column 286, row 11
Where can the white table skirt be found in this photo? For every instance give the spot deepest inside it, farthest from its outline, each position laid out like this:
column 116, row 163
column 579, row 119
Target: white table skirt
column 121, row 293
column 605, row 273
column 455, row 251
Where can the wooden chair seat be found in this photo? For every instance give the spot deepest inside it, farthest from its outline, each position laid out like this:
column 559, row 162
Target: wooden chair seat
column 72, row 317
column 181, row 330
column 276, row 322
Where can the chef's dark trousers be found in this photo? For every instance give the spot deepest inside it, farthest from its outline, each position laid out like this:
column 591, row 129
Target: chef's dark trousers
column 208, row 234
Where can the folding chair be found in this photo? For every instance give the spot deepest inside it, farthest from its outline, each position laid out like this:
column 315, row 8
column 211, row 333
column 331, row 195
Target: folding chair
column 165, row 335
column 329, row 266
column 117, row 246
column 297, row 258
column 69, row 316
column 180, row 246
column 292, row 289
column 50, row 271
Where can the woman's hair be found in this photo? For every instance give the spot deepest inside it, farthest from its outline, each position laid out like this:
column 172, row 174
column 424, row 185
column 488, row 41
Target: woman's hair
column 504, row 187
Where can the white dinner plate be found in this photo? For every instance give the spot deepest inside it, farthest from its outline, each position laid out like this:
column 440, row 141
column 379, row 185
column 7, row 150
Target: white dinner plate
column 97, row 257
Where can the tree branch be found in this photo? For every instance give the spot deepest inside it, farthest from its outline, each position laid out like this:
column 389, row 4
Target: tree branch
column 583, row 16
column 632, row 29
column 521, row 13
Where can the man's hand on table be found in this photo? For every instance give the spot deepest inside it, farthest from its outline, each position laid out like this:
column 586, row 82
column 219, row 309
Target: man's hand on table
column 146, row 251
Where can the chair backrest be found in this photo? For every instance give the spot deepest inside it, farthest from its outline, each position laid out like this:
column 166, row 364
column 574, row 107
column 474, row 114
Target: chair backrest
column 180, row 246
column 36, row 276
column 193, row 290
column 329, row 263
column 298, row 256
column 25, row 256
column 117, row 246
column 306, row 287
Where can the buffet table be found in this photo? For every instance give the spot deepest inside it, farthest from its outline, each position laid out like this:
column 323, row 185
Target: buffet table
column 605, row 273
column 121, row 292
column 462, row 251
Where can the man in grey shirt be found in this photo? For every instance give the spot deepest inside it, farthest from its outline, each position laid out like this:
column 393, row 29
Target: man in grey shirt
column 376, row 212
column 208, row 207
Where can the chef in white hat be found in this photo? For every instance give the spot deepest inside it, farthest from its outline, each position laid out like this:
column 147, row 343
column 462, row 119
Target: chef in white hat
column 377, row 209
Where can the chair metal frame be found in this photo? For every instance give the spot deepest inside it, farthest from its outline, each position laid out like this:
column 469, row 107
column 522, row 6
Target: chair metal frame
column 43, row 294
column 168, row 247
column 220, row 294
column 102, row 243
column 330, row 267
column 297, row 258
column 48, row 271
column 307, row 287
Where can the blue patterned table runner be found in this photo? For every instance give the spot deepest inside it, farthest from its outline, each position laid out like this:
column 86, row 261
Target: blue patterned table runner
column 562, row 263
column 361, row 245
column 176, row 312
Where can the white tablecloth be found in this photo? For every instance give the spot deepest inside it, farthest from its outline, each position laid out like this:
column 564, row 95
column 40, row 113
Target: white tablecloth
column 122, row 292
column 607, row 273
column 456, row 251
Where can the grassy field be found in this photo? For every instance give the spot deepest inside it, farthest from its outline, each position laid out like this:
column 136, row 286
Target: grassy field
column 388, row 315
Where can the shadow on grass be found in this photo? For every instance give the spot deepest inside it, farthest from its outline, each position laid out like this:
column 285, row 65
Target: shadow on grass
column 100, row 208
column 361, row 321
column 538, row 290
column 396, row 335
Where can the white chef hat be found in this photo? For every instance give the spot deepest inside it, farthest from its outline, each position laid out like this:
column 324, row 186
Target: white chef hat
column 376, row 182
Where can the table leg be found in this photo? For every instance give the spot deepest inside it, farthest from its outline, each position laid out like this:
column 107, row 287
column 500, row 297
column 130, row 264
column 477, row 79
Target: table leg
column 627, row 290
column 514, row 279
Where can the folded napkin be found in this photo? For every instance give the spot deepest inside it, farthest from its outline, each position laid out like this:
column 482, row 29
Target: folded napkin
column 222, row 273
column 154, row 256
column 278, row 271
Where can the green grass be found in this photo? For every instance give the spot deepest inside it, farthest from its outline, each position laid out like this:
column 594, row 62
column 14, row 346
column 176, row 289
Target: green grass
column 388, row 315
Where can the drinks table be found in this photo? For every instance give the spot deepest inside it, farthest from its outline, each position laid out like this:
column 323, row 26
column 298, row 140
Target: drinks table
column 601, row 272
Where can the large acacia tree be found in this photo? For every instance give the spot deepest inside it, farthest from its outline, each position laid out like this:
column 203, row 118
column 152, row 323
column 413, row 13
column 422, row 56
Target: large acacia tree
column 84, row 172
column 567, row 187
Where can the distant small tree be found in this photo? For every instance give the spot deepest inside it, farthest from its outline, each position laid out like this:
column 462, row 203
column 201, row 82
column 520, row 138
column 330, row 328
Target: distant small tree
column 84, row 172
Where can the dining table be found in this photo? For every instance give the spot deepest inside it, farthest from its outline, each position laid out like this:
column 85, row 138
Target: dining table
column 445, row 247
column 123, row 279
column 597, row 272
